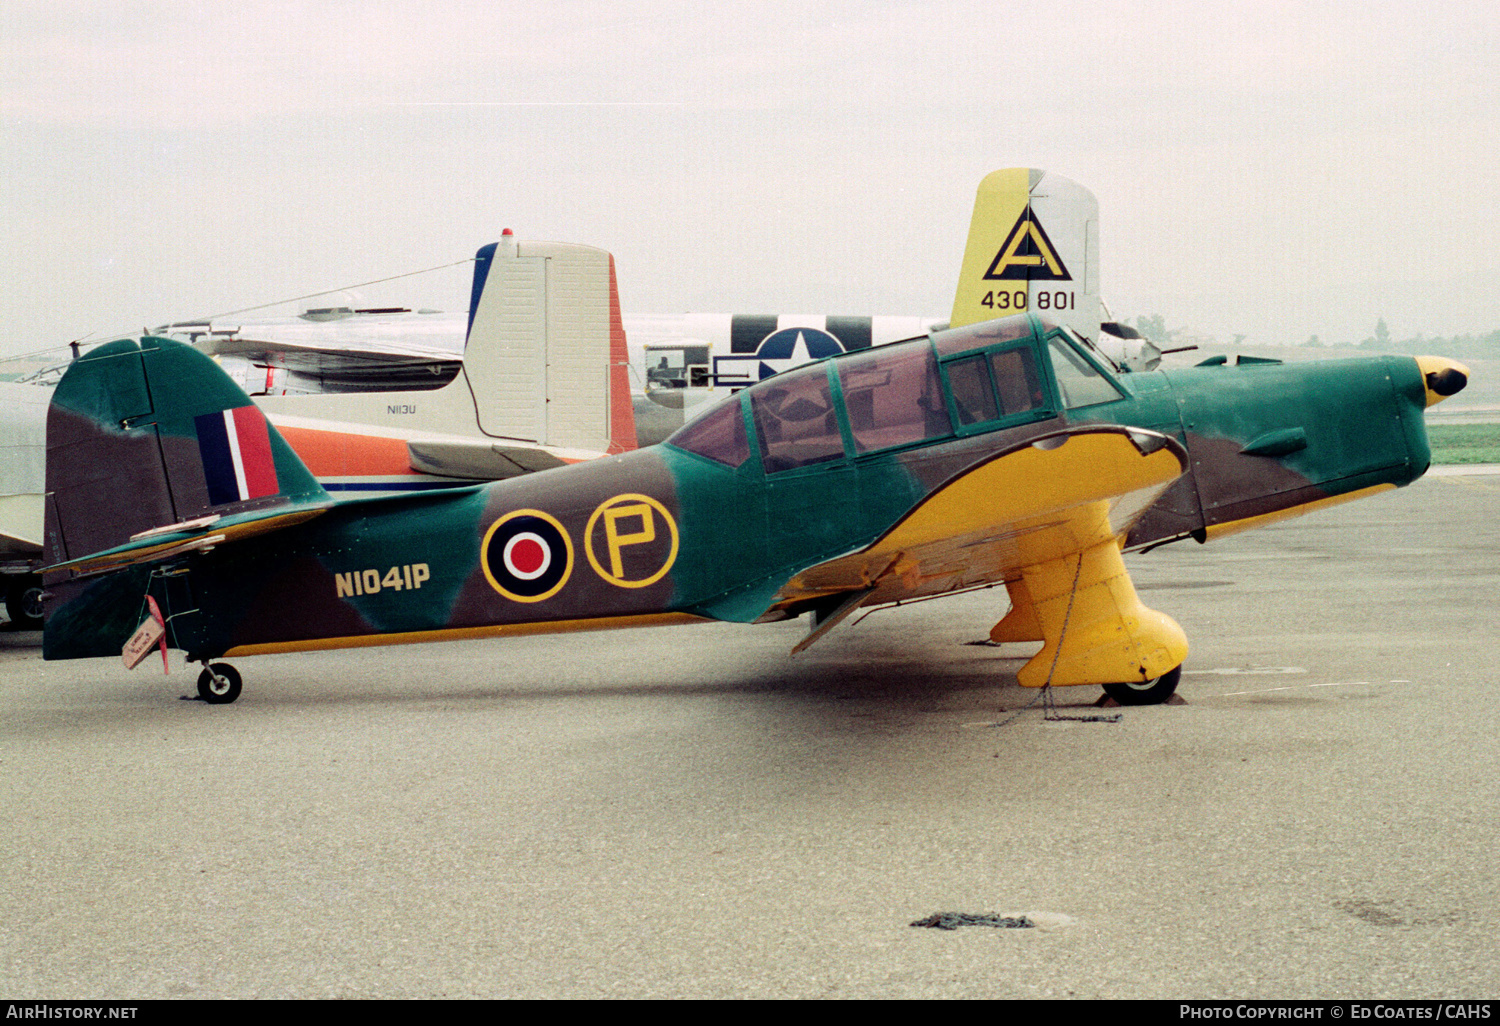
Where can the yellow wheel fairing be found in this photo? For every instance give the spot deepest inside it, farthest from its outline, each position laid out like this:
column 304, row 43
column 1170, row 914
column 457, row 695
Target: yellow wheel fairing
column 1021, row 623
column 1097, row 630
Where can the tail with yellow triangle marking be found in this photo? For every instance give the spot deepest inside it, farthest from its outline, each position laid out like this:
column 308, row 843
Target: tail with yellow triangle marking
column 1033, row 247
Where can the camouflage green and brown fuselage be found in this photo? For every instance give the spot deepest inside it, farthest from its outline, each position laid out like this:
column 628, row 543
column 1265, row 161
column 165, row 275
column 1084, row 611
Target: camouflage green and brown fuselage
column 797, row 470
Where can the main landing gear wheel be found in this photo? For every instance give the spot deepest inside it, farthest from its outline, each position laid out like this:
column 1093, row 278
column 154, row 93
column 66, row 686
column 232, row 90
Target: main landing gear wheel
column 1145, row 692
column 23, row 601
column 219, row 684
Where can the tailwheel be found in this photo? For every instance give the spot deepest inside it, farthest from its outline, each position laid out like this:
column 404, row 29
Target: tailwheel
column 1145, row 692
column 219, row 683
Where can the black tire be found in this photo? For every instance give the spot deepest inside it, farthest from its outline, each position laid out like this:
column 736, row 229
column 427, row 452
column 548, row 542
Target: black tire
column 219, row 684
column 1146, row 692
column 23, row 603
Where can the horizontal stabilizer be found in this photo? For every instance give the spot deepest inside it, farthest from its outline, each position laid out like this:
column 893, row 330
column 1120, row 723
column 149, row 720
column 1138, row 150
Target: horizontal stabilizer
column 201, row 535
column 480, row 460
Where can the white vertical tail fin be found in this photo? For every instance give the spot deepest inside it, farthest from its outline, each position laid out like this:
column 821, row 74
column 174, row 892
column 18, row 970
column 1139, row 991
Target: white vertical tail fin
column 545, row 357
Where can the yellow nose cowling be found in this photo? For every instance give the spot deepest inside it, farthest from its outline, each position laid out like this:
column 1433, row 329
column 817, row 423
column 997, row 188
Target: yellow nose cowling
column 1444, row 377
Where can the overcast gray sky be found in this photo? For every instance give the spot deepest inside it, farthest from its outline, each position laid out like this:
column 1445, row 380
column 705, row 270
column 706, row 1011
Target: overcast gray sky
column 1273, row 169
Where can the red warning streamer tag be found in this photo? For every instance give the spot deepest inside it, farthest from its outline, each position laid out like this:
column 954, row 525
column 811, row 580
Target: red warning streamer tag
column 151, row 632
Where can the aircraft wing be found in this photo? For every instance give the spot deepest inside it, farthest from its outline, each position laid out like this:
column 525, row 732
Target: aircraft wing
column 1033, row 505
column 318, row 358
column 386, row 334
column 387, row 349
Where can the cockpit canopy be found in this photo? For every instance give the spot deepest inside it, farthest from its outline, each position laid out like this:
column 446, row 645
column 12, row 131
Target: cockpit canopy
column 952, row 383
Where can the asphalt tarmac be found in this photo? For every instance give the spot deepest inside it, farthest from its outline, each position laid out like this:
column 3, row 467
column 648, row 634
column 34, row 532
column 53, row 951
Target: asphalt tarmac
column 691, row 812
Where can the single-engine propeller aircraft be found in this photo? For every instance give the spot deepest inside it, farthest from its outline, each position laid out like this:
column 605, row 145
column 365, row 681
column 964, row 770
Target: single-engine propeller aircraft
column 995, row 451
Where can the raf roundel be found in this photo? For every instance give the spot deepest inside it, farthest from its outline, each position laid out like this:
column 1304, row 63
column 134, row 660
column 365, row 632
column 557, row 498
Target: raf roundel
column 527, row 556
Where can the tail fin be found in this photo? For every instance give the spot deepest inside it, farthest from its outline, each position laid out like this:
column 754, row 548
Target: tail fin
column 545, row 356
column 1033, row 246
column 150, row 434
